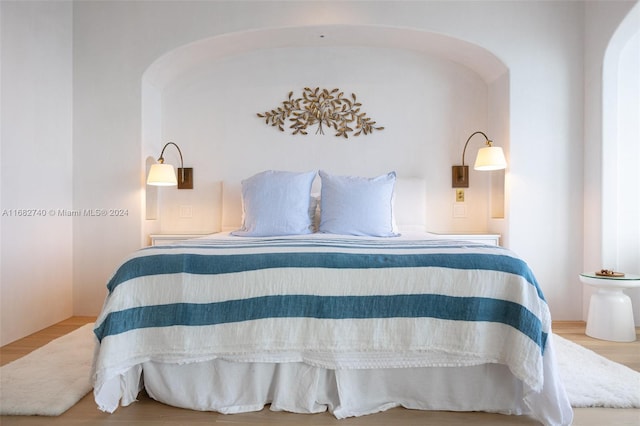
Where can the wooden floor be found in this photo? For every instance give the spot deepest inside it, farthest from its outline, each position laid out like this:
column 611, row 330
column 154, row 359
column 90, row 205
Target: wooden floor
column 148, row 412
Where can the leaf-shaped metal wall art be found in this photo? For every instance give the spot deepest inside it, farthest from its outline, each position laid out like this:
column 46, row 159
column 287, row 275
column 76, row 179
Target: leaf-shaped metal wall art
column 322, row 108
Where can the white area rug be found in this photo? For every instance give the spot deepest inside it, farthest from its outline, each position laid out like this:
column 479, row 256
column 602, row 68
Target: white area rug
column 51, row 379
column 594, row 381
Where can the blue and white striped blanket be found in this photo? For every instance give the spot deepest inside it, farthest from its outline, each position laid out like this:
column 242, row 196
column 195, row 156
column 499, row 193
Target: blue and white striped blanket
column 330, row 301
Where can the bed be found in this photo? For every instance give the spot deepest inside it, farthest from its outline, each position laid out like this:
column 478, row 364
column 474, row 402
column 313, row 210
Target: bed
column 354, row 318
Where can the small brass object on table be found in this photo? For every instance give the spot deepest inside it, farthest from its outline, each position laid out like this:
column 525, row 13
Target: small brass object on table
column 609, row 273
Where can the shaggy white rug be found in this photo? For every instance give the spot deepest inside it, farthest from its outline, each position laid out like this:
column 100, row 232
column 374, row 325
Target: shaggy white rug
column 592, row 380
column 50, row 380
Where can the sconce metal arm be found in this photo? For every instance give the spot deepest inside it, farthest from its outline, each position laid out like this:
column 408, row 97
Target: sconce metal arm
column 161, row 159
column 467, row 143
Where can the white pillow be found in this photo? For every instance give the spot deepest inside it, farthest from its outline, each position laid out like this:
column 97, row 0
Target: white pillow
column 353, row 205
column 276, row 203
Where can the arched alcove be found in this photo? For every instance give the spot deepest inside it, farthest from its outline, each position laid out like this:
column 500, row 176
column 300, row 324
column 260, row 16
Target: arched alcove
column 368, row 58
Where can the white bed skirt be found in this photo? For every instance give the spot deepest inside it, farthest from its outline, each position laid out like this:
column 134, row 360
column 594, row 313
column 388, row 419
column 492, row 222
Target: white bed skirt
column 234, row 387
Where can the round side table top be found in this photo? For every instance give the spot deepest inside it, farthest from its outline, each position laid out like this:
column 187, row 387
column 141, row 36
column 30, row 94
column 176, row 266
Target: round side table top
column 604, row 277
column 628, row 281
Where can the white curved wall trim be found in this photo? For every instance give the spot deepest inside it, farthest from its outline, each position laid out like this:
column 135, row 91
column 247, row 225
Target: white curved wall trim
column 173, row 63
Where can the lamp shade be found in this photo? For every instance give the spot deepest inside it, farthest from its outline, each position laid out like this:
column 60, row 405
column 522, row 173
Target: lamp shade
column 490, row 158
column 162, row 175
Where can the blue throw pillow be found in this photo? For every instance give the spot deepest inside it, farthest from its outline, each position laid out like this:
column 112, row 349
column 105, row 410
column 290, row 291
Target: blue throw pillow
column 353, row 205
column 276, row 203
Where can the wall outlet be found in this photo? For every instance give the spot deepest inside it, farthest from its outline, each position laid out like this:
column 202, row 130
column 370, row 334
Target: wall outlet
column 459, row 210
column 185, row 212
column 459, row 195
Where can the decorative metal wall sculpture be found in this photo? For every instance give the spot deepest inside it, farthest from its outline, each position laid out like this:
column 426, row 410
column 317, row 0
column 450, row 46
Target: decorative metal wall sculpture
column 321, row 107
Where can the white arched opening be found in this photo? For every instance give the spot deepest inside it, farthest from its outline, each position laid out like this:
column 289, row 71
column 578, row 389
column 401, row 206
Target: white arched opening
column 621, row 152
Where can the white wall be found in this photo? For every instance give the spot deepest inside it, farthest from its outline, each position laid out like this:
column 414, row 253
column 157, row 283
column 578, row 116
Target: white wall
column 36, row 251
column 601, row 197
column 546, row 100
column 541, row 43
column 498, row 126
column 628, row 229
column 210, row 111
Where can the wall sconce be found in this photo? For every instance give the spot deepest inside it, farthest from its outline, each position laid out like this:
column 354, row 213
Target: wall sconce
column 488, row 158
column 161, row 174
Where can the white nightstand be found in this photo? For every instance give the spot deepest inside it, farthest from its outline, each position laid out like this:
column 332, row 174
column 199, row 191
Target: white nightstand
column 610, row 312
column 489, row 239
column 168, row 239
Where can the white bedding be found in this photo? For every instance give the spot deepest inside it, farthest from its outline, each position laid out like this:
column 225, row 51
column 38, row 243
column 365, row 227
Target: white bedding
column 235, row 387
column 305, row 313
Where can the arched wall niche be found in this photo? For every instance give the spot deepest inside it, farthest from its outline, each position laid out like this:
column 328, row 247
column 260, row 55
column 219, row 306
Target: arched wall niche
column 430, row 91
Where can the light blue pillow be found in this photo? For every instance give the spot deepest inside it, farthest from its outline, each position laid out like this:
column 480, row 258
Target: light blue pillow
column 276, row 203
column 353, row 205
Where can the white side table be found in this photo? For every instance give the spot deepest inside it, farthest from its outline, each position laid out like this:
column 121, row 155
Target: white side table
column 610, row 312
